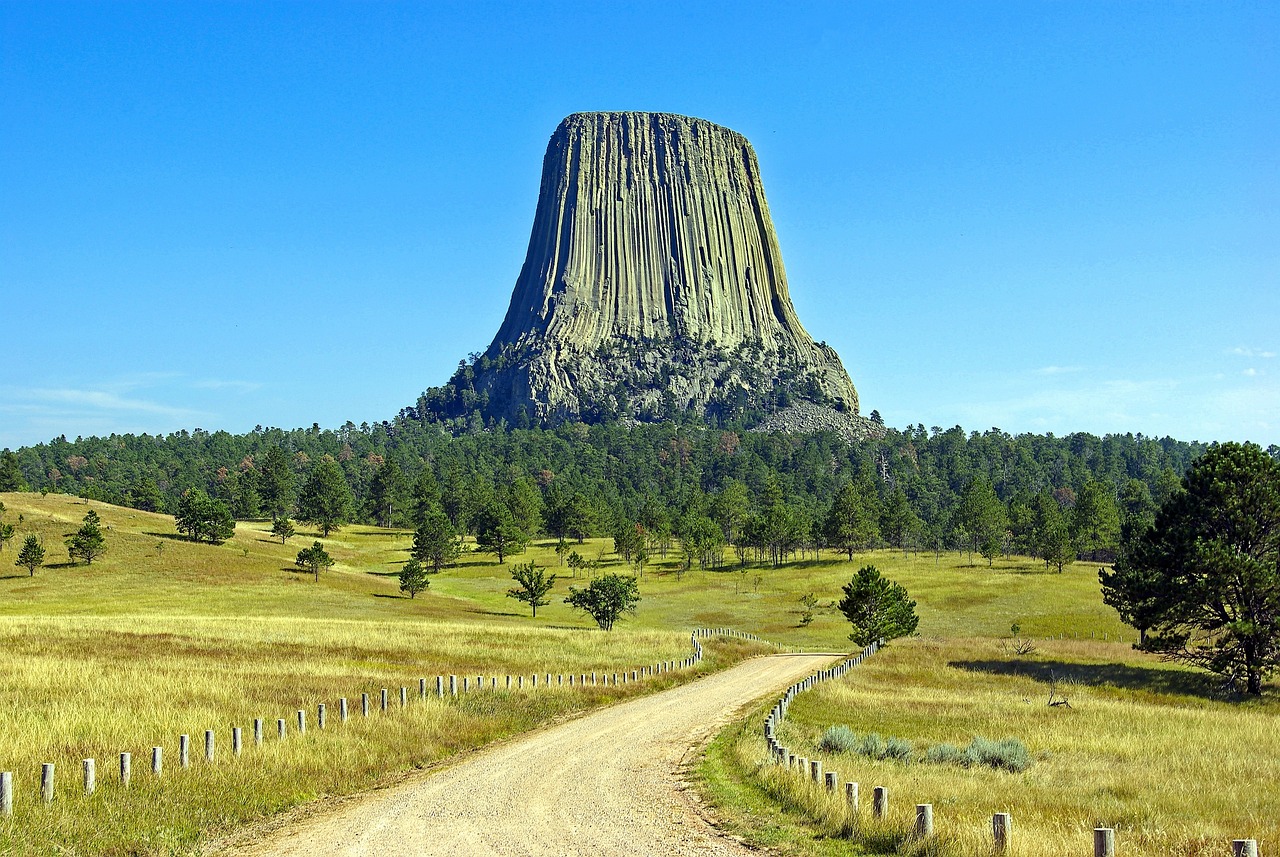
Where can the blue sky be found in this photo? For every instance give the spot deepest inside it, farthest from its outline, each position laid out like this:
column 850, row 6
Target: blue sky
column 1034, row 216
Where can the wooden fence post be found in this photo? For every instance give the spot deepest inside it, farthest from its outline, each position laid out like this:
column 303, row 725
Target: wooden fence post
column 404, row 696
column 257, row 731
column 126, row 769
column 302, row 722
column 1104, row 842
column 384, row 699
column 508, row 682
column 157, row 761
column 342, row 710
column 236, row 743
column 440, row 686
column 280, row 728
column 851, row 796
column 815, row 770
column 184, row 751
column 90, row 776
column 1000, row 830
column 453, row 685
column 320, row 716
column 422, row 690
column 924, row 820
column 520, row 682
column 833, row 780
column 364, row 704
column 879, row 802
column 208, row 745
column 46, row 782
column 1244, row 848
column 6, row 793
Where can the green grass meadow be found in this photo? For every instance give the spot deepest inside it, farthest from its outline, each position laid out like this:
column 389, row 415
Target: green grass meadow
column 163, row 636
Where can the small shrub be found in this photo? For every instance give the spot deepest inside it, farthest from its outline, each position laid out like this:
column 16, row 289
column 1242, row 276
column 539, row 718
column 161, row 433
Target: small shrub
column 838, row 739
column 898, row 749
column 873, row 746
column 944, row 754
column 1009, row 754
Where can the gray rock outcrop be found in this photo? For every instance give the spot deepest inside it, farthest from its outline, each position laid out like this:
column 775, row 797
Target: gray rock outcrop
column 653, row 280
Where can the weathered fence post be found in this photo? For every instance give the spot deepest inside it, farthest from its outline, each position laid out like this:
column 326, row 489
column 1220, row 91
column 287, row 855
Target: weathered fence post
column 440, row 686
column 157, row 761
column 508, row 682
column 520, row 682
column 833, row 780
column 1000, row 830
column 184, row 751
column 236, row 744
column 851, row 796
column 320, row 716
column 1104, row 842
column 404, row 696
column 257, row 731
column 924, row 820
column 90, row 776
column 342, row 710
column 364, row 705
column 126, row 769
column 6, row 793
column 384, row 699
column 815, row 770
column 302, row 722
column 280, row 728
column 422, row 690
column 453, row 685
column 1244, row 848
column 46, row 782
column 879, row 802
column 208, row 745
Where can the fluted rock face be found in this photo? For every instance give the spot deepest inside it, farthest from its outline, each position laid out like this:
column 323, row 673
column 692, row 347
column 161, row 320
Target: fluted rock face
column 653, row 279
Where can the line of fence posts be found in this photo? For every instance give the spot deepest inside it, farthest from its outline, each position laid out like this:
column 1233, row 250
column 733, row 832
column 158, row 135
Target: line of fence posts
column 829, row 781
column 89, row 766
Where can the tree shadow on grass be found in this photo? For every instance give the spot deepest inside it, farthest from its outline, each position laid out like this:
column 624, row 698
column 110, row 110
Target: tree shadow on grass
column 57, row 565
column 176, row 537
column 499, row 613
column 1155, row 679
column 19, row 576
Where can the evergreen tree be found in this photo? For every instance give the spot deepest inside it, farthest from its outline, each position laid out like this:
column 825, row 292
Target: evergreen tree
column 386, row 492
column 414, row 578
column 1205, row 580
column 850, row 525
column 497, row 533
column 203, row 518
column 87, row 543
column 313, row 559
column 6, row 532
column 435, row 544
column 426, row 494
column 525, row 502
column 1095, row 521
column 981, row 517
column 325, row 499
column 1052, row 537
column 898, row 522
column 146, row 496
column 878, row 608
column 533, row 585
column 31, row 556
column 11, row 478
column 275, row 482
column 283, row 529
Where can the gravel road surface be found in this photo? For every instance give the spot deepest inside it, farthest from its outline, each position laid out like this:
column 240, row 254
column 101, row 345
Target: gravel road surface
column 608, row 783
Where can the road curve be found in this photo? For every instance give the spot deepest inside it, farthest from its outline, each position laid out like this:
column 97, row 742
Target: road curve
column 606, row 784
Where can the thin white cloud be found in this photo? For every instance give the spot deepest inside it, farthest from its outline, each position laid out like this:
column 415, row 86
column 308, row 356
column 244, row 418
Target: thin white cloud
column 1241, row 351
column 103, row 400
column 1251, row 372
column 1057, row 370
column 236, row 386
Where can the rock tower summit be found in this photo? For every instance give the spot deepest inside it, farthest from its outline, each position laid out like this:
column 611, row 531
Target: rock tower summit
column 653, row 280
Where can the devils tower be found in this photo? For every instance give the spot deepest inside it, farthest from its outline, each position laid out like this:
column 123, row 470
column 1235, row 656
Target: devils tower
column 653, row 282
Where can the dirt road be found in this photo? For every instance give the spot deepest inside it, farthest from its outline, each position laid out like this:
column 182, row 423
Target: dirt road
column 604, row 784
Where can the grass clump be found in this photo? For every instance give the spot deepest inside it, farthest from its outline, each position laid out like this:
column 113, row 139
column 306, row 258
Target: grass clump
column 898, row 749
column 1008, row 754
column 944, row 754
column 838, row 739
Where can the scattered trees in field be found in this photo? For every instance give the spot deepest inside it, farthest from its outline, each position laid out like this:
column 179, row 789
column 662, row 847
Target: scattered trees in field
column 314, row 559
column 1203, row 583
column 877, row 607
column 203, row 519
column 414, row 578
column 87, row 543
column 533, row 584
column 325, row 499
column 31, row 555
column 606, row 598
column 275, row 482
column 850, row 524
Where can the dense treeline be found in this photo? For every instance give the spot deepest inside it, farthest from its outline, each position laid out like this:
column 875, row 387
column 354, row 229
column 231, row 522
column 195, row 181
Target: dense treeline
column 714, row 493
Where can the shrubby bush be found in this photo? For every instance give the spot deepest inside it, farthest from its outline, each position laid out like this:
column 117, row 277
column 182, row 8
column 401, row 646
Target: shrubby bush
column 838, row 739
column 1008, row 754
